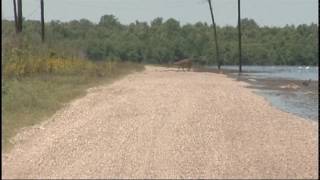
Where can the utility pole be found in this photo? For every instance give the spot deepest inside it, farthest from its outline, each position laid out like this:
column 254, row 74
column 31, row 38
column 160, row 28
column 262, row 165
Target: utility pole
column 15, row 15
column 239, row 29
column 215, row 35
column 42, row 21
column 19, row 16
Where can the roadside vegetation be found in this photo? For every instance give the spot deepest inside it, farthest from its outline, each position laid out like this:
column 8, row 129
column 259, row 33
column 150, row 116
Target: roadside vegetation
column 29, row 99
column 37, row 81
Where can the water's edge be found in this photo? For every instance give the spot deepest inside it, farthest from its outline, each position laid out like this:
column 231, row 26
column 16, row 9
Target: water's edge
column 286, row 94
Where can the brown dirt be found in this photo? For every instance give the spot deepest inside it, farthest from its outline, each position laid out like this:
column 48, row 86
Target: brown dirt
column 166, row 124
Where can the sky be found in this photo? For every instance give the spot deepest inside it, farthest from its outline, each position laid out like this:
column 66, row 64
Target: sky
column 264, row 12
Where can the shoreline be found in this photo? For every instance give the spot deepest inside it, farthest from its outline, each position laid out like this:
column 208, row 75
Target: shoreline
column 285, row 94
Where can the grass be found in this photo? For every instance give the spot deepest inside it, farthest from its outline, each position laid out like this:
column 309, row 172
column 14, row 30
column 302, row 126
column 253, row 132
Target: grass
column 29, row 100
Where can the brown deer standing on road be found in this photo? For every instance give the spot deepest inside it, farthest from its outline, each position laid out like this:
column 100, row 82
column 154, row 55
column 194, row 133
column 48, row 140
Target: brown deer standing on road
column 184, row 63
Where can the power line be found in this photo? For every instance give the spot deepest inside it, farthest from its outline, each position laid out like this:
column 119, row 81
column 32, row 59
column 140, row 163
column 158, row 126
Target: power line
column 32, row 13
column 172, row 4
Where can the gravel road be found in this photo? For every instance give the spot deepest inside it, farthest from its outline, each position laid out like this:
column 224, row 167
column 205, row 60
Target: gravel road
column 161, row 123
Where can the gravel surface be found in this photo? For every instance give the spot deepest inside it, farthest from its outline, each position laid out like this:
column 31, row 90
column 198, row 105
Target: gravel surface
column 161, row 123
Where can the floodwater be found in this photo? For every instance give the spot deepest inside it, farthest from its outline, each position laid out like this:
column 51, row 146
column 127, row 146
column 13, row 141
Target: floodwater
column 283, row 86
column 283, row 72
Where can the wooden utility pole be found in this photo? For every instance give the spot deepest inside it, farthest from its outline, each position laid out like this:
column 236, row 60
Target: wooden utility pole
column 15, row 15
column 19, row 16
column 215, row 35
column 239, row 29
column 42, row 21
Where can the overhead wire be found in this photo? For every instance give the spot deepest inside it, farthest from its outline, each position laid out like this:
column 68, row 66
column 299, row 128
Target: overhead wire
column 179, row 3
column 32, row 13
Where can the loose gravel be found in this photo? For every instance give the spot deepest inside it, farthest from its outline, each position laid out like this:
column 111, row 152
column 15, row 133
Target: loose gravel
column 162, row 123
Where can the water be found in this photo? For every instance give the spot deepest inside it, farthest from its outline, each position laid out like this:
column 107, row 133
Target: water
column 285, row 72
column 302, row 102
column 297, row 103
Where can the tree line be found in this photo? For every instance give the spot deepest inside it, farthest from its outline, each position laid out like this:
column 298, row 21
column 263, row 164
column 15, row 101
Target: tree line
column 164, row 41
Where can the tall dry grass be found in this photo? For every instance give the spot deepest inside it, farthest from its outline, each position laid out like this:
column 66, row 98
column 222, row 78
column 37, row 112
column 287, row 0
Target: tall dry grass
column 35, row 87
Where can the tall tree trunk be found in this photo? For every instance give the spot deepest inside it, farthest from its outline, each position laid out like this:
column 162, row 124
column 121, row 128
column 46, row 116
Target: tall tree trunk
column 239, row 34
column 15, row 15
column 215, row 35
column 42, row 21
column 19, row 16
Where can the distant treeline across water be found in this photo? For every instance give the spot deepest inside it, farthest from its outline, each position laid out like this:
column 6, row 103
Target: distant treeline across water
column 164, row 41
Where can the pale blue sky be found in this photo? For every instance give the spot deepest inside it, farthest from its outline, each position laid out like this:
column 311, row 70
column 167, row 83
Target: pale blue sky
column 265, row 12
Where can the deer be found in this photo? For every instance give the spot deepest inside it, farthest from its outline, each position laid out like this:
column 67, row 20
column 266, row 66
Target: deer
column 184, row 63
